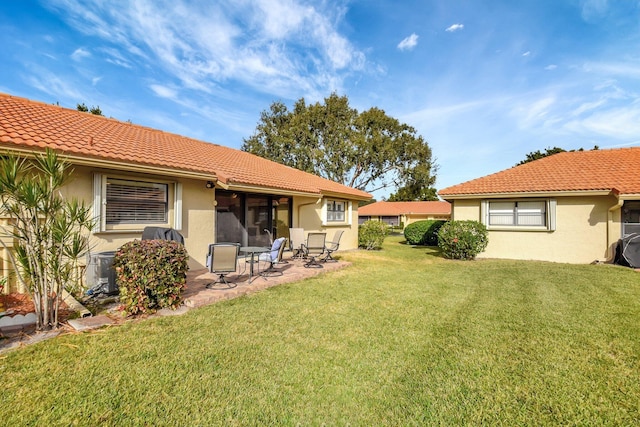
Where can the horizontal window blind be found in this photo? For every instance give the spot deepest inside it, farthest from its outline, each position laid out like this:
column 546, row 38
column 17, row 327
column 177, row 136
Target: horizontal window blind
column 132, row 202
column 517, row 213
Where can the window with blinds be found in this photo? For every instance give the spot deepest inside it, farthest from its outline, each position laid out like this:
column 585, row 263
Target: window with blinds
column 518, row 213
column 136, row 202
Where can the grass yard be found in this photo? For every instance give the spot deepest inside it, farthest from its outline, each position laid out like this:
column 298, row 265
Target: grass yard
column 403, row 337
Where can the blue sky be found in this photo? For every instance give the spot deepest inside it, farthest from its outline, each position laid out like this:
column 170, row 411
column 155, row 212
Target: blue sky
column 484, row 82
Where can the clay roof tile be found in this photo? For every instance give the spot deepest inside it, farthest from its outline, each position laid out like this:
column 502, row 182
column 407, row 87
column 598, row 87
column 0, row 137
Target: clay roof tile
column 26, row 122
column 595, row 170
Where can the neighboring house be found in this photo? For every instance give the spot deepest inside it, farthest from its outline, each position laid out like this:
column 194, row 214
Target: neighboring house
column 569, row 207
column 404, row 213
column 136, row 176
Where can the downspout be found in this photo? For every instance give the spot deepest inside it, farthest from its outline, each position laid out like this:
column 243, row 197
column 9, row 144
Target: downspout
column 74, row 305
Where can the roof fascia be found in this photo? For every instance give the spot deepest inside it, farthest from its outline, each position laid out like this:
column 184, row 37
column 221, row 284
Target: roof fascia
column 582, row 193
column 634, row 196
column 265, row 190
column 344, row 196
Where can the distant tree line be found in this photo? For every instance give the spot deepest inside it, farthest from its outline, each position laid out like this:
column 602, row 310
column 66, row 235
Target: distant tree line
column 93, row 110
column 536, row 155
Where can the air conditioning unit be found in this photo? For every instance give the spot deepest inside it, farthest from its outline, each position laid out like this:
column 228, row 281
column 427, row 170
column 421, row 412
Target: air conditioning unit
column 100, row 274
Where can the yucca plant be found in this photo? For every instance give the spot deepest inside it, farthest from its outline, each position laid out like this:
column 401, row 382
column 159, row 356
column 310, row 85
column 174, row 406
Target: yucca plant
column 49, row 232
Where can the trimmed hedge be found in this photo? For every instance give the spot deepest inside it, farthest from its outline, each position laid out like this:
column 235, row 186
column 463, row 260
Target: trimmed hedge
column 423, row 232
column 371, row 234
column 462, row 239
column 151, row 275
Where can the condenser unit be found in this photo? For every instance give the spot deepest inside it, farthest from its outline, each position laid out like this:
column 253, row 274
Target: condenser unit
column 100, row 274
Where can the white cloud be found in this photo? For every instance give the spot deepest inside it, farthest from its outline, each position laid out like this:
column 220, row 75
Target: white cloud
column 52, row 84
column 624, row 69
column 618, row 123
column 277, row 47
column 527, row 53
column 164, row 92
column 455, row 27
column 592, row 9
column 95, row 80
column 80, row 54
column 408, row 43
column 551, row 67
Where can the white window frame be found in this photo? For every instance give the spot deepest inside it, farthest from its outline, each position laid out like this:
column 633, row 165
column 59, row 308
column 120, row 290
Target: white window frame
column 174, row 204
column 519, row 210
column 326, row 212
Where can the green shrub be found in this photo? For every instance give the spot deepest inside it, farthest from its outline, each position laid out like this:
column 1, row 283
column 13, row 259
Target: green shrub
column 371, row 234
column 151, row 275
column 462, row 239
column 423, row 232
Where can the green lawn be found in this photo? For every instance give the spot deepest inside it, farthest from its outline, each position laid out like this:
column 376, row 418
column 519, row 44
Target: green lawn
column 403, row 337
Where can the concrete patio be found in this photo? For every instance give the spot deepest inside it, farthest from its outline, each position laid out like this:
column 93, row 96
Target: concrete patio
column 197, row 294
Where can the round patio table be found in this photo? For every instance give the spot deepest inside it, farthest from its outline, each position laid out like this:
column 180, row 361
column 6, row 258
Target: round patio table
column 253, row 250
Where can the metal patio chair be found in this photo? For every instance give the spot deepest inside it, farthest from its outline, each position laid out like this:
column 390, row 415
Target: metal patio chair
column 332, row 246
column 273, row 257
column 222, row 260
column 314, row 249
column 296, row 240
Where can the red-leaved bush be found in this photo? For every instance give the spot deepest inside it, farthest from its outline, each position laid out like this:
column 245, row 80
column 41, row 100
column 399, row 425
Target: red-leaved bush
column 151, row 274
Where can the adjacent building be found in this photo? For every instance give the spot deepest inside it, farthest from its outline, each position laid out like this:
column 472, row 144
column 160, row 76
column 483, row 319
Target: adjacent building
column 404, row 213
column 569, row 207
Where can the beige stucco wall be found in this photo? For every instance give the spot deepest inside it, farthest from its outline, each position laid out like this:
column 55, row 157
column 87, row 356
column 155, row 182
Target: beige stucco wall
column 198, row 216
column 583, row 232
column 307, row 214
column 198, row 212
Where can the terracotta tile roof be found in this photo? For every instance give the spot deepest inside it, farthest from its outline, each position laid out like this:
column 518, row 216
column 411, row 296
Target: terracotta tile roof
column 25, row 123
column 616, row 170
column 400, row 208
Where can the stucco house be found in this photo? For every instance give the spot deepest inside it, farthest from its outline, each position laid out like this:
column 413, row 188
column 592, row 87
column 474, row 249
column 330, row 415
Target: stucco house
column 569, row 207
column 135, row 176
column 396, row 213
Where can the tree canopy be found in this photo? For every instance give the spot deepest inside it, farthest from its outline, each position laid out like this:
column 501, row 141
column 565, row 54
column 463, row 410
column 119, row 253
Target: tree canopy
column 368, row 150
column 535, row 155
column 93, row 110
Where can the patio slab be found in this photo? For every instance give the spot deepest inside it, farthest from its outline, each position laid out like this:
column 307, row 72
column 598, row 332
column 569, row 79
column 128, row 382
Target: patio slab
column 197, row 294
column 88, row 323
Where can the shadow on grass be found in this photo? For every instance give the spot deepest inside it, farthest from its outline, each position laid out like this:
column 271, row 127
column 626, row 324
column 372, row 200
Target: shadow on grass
column 429, row 250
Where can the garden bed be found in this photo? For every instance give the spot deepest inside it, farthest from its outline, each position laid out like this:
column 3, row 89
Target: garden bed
column 16, row 303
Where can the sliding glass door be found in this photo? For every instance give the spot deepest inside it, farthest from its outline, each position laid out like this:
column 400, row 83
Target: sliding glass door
column 251, row 219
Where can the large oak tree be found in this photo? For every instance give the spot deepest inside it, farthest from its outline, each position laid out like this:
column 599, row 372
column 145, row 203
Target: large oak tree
column 368, row 150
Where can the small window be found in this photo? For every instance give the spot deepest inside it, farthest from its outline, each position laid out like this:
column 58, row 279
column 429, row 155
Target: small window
column 517, row 214
column 123, row 204
column 135, row 202
column 336, row 211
